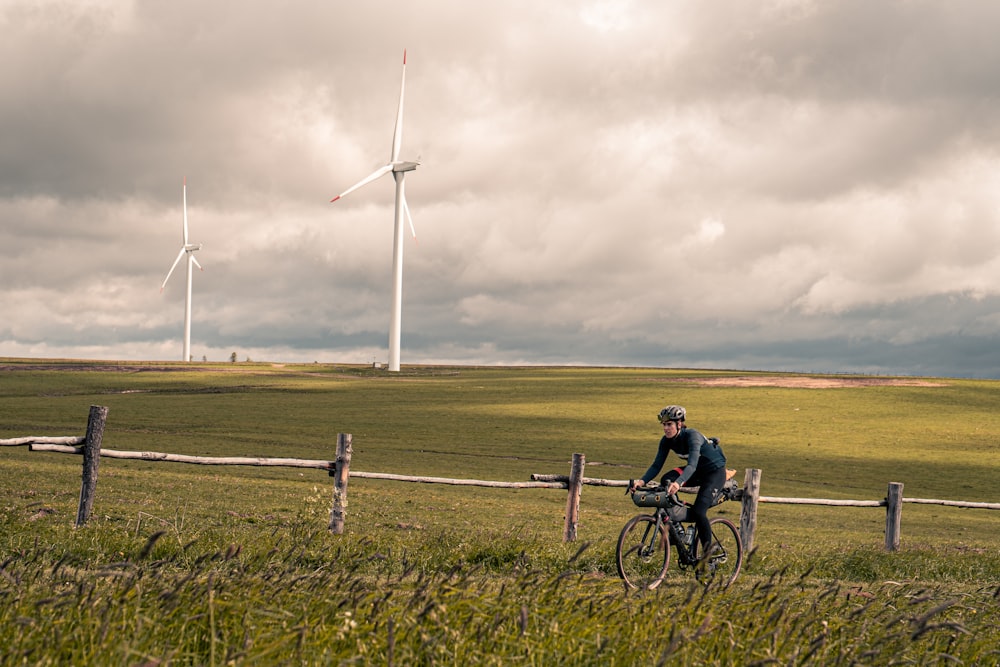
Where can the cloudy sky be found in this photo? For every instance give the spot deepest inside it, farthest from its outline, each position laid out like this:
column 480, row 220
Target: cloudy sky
column 780, row 185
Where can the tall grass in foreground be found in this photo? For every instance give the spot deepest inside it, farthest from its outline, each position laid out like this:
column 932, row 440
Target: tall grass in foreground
column 183, row 565
column 297, row 595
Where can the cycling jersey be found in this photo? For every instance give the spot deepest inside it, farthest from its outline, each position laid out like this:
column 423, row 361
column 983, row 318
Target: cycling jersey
column 702, row 455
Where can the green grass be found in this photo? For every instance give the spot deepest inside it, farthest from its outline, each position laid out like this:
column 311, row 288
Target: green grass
column 186, row 564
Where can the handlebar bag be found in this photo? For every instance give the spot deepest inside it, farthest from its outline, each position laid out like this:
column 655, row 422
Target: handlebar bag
column 659, row 498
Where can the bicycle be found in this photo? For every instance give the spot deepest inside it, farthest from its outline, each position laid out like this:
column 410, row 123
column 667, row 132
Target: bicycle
column 643, row 551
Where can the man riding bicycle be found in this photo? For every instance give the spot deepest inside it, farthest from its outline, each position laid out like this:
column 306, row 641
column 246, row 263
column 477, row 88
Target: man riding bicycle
column 705, row 468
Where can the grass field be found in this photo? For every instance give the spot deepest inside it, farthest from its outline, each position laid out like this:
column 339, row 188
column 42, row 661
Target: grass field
column 186, row 564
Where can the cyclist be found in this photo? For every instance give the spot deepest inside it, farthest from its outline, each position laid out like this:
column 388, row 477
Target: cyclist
column 705, row 468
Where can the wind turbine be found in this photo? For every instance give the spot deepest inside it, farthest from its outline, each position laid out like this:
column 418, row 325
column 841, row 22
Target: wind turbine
column 398, row 169
column 187, row 249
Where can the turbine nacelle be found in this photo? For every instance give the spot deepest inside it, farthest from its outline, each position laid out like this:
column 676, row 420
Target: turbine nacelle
column 404, row 166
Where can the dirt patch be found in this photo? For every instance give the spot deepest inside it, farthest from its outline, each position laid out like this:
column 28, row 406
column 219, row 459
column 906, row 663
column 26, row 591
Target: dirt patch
column 801, row 382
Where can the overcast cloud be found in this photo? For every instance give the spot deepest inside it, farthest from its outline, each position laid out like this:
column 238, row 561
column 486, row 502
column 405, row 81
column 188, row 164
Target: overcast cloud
column 780, row 185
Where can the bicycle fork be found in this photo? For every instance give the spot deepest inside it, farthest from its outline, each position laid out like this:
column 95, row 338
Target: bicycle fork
column 650, row 537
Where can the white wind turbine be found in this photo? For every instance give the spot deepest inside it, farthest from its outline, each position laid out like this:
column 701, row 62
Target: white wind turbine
column 189, row 250
column 398, row 169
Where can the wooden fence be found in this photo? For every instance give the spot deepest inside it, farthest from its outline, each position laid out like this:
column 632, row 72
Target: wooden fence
column 90, row 446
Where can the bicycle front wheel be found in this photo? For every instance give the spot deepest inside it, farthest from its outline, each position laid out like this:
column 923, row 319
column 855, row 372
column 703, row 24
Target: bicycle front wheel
column 643, row 553
column 725, row 558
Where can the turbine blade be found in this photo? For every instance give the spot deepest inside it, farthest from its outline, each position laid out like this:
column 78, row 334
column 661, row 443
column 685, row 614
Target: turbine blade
column 195, row 260
column 397, row 134
column 378, row 173
column 171, row 271
column 185, row 191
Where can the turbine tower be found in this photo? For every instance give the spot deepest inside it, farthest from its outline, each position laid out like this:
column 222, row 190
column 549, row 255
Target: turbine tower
column 398, row 169
column 187, row 249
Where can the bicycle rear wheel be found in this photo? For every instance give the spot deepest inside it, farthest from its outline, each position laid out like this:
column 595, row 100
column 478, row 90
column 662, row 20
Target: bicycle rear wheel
column 643, row 553
column 726, row 556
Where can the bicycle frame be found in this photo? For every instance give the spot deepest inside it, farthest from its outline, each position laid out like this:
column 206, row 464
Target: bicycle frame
column 677, row 535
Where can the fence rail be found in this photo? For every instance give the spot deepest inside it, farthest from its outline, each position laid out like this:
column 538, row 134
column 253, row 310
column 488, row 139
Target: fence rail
column 184, row 458
column 39, row 440
column 90, row 447
column 330, row 466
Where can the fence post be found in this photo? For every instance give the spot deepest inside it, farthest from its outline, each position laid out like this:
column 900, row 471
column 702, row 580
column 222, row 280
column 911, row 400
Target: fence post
column 573, row 497
column 748, row 514
column 893, row 515
column 91, row 461
column 341, row 473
